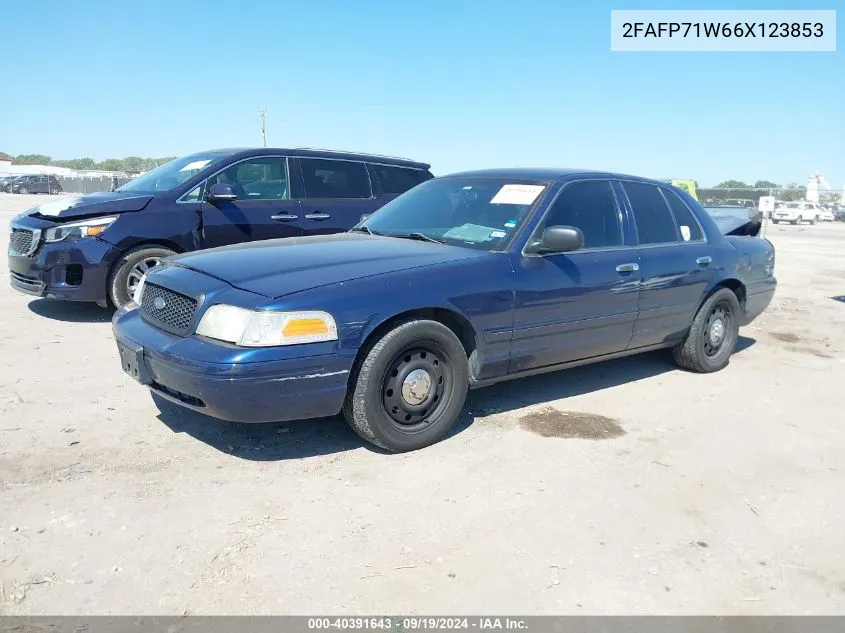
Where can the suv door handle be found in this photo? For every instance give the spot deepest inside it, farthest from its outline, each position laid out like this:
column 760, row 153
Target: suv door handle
column 284, row 217
column 317, row 216
column 703, row 261
column 627, row 268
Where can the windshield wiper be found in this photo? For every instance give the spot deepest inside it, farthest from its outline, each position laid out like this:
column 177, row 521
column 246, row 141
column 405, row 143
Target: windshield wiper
column 364, row 229
column 422, row 237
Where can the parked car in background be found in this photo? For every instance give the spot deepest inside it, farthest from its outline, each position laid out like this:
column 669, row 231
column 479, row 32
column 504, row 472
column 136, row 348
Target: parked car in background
column 797, row 212
column 826, row 214
column 6, row 183
column 36, row 183
column 96, row 247
column 461, row 282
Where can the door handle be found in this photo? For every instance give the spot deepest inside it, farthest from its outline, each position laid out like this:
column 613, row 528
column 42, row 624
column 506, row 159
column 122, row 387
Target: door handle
column 317, row 216
column 627, row 268
column 284, row 217
column 703, row 261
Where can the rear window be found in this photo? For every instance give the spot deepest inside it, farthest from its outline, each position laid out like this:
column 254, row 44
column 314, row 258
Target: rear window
column 399, row 179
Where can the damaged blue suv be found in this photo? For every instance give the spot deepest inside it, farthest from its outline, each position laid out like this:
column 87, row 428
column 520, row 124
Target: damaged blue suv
column 98, row 246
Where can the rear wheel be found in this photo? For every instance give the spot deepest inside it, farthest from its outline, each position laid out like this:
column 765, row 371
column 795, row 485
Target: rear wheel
column 713, row 335
column 55, row 191
column 23, row 191
column 410, row 387
column 129, row 270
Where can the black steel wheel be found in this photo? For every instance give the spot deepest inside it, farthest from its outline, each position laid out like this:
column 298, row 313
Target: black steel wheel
column 713, row 335
column 410, row 387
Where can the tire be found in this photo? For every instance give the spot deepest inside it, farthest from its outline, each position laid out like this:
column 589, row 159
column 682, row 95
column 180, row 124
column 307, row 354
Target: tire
column 774, row 221
column 23, row 191
column 129, row 268
column 813, row 221
column 698, row 351
column 8, row 190
column 55, row 191
column 384, row 408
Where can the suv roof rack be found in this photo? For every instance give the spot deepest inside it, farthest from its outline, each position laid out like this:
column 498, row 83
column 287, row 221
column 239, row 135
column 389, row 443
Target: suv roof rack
column 340, row 151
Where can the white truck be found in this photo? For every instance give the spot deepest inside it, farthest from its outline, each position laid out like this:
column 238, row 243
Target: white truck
column 797, row 212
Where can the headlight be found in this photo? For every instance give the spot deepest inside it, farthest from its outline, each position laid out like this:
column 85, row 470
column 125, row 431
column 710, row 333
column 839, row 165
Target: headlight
column 139, row 290
column 265, row 328
column 75, row 230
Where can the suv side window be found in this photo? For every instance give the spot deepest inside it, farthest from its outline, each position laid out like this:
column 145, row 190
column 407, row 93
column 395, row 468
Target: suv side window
column 590, row 206
column 259, row 178
column 655, row 224
column 399, row 179
column 326, row 178
column 688, row 225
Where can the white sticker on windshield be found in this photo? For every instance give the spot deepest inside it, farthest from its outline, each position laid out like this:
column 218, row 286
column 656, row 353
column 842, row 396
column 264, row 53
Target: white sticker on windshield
column 54, row 209
column 497, row 234
column 685, row 232
column 469, row 233
column 197, row 164
column 517, row 194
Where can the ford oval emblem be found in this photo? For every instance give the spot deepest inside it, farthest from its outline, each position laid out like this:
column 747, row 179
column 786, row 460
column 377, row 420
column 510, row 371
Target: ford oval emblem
column 159, row 303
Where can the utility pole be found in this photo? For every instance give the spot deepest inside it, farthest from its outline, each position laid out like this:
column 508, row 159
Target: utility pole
column 262, row 118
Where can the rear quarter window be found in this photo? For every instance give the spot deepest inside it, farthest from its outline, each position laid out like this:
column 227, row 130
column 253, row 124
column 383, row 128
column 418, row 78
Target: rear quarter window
column 399, row 179
column 688, row 226
column 655, row 223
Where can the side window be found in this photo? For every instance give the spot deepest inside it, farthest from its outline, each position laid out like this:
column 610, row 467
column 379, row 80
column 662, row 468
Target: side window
column 655, row 224
column 260, row 178
column 326, row 178
column 398, row 179
column 688, row 225
column 194, row 195
column 590, row 206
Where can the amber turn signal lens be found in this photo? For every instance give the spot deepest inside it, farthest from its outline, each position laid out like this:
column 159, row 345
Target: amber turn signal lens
column 91, row 231
column 305, row 327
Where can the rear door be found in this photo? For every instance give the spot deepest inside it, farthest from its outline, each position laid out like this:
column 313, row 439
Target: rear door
column 336, row 193
column 264, row 208
column 676, row 263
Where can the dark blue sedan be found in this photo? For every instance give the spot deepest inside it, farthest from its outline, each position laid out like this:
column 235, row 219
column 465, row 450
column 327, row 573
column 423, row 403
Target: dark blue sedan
column 461, row 282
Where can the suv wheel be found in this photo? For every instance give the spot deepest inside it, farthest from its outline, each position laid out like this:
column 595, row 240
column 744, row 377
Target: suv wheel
column 713, row 335
column 130, row 268
column 23, row 191
column 55, row 191
column 410, row 388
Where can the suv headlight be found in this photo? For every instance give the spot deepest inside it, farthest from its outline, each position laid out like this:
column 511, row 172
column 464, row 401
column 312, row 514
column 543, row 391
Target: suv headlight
column 266, row 328
column 76, row 230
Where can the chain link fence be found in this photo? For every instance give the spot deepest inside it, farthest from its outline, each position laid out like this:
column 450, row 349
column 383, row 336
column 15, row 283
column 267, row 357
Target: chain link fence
column 828, row 199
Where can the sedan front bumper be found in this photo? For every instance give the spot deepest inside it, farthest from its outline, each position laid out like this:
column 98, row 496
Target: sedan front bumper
column 294, row 386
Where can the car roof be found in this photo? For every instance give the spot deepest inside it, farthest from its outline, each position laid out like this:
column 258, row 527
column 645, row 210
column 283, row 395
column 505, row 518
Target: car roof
column 549, row 174
column 311, row 152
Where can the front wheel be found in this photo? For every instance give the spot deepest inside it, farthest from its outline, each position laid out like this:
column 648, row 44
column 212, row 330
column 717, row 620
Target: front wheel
column 410, row 388
column 713, row 335
column 23, row 191
column 129, row 270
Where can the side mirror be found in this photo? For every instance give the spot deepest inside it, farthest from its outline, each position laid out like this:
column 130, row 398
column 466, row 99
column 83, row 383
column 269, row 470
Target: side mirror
column 221, row 193
column 558, row 239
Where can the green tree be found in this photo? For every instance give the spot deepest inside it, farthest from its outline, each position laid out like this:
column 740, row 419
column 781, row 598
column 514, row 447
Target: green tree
column 110, row 164
column 732, row 184
column 133, row 163
column 766, row 184
column 32, row 159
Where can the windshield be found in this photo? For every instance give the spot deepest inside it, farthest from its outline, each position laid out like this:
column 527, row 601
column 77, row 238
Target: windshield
column 476, row 212
column 170, row 175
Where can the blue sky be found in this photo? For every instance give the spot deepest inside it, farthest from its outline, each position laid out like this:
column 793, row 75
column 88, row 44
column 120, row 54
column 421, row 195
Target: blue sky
column 458, row 83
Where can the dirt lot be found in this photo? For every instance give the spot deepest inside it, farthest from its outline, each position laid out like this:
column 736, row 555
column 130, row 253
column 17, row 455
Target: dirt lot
column 690, row 494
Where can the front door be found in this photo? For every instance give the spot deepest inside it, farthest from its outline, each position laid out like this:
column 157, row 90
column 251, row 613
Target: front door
column 263, row 210
column 582, row 304
column 336, row 193
column 675, row 261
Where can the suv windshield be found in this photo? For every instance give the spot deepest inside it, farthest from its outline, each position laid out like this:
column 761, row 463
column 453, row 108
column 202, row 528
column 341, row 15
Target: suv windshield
column 170, row 175
column 476, row 212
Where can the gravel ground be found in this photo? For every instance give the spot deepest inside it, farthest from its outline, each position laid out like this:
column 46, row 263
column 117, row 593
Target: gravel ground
column 668, row 492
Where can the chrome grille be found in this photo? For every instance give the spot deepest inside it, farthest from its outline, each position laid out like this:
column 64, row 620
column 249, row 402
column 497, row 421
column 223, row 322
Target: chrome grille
column 22, row 241
column 167, row 309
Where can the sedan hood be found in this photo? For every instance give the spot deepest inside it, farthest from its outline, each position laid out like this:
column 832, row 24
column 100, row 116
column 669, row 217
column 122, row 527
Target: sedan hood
column 275, row 268
column 92, row 204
